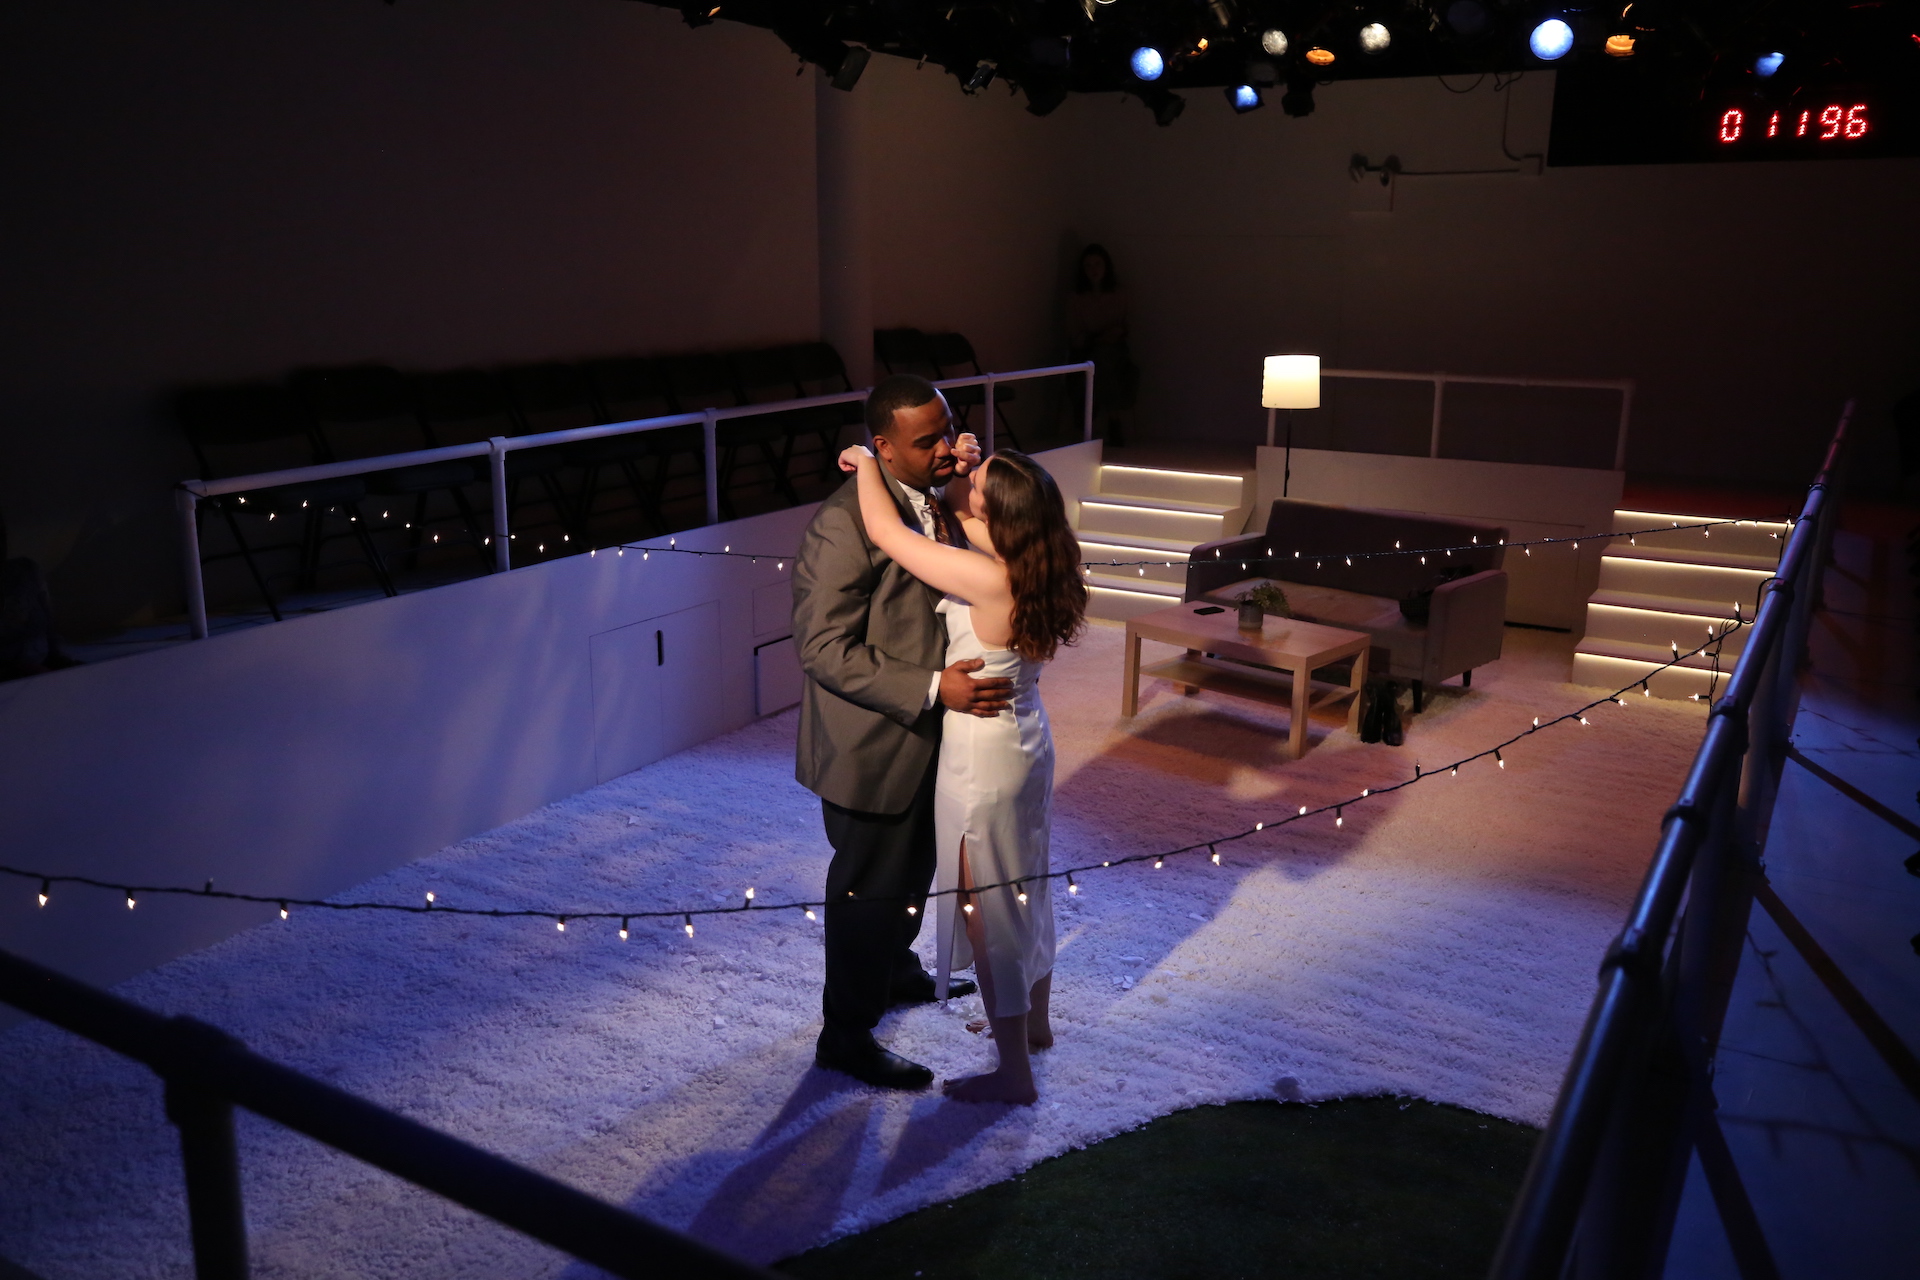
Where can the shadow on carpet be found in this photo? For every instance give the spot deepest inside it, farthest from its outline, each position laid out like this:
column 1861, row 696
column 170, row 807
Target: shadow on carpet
column 1366, row 1187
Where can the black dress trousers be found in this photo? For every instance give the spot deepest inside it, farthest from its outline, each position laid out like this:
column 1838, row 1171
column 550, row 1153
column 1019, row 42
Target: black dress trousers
column 882, row 864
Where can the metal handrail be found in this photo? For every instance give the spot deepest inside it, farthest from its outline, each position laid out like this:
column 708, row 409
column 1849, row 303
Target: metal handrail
column 190, row 493
column 1624, row 386
column 207, row 1073
column 1656, row 1003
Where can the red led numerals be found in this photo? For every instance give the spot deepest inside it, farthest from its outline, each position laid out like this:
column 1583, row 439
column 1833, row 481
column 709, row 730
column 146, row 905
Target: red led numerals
column 1834, row 121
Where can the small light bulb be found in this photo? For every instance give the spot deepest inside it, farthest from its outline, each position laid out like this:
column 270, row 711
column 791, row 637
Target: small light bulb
column 1071, row 886
column 624, row 921
column 1339, row 819
column 129, row 902
column 781, row 564
column 1158, row 863
column 1497, row 758
column 1528, row 550
column 1216, row 857
column 1536, row 722
column 913, row 911
column 560, row 925
column 1022, row 898
column 1365, row 792
column 1349, row 562
column 1396, row 544
column 283, row 911
column 429, row 897
column 727, row 550
column 810, row 914
column 749, row 893
column 1303, row 811
column 1454, row 772
column 689, row 924
column 1584, row 720
column 46, row 890
column 967, row 907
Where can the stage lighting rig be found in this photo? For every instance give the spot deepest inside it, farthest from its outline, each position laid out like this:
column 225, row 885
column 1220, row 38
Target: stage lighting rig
column 1273, row 41
column 982, row 76
column 1147, row 63
column 1244, row 98
column 1375, row 38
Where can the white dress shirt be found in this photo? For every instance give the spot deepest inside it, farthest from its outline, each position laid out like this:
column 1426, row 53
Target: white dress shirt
column 923, row 511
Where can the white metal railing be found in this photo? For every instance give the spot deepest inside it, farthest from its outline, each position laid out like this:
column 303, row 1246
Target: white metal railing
column 1440, row 380
column 190, row 493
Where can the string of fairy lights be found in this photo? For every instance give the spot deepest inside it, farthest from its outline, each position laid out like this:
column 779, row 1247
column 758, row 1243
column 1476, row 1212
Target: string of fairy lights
column 431, row 905
column 1318, row 558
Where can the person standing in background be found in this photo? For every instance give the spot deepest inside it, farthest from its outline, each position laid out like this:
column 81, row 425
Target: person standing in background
column 1097, row 331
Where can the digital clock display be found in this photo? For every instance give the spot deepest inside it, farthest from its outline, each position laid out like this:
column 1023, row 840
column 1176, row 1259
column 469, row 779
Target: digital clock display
column 1834, row 122
column 1598, row 120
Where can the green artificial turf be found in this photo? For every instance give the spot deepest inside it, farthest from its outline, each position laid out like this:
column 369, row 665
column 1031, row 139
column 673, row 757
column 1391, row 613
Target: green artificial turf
column 1387, row 1187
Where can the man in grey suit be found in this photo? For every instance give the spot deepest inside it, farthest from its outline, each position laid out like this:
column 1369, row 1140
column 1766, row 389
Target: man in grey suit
column 873, row 648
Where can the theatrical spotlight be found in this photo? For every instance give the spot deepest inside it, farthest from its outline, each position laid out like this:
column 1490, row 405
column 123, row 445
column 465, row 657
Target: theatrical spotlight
column 1244, row 98
column 1320, row 57
column 982, row 76
column 843, row 63
column 1551, row 40
column 1147, row 63
column 1374, row 38
column 1620, row 45
column 1767, row 63
column 1297, row 101
column 1274, row 41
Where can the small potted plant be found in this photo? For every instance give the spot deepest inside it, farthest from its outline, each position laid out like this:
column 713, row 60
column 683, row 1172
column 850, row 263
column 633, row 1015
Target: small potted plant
column 1264, row 599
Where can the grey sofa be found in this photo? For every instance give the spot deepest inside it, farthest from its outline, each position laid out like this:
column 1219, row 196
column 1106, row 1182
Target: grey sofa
column 1463, row 627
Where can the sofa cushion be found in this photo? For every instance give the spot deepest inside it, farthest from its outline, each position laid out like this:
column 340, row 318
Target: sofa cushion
column 1328, row 605
column 1325, row 530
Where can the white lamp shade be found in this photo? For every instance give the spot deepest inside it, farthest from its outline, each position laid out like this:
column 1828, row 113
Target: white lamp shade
column 1291, row 382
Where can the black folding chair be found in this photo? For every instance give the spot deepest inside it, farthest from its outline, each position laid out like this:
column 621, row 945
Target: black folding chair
column 246, row 428
column 363, row 411
column 465, row 406
column 905, row 351
column 952, row 357
column 627, row 389
column 764, row 376
column 821, row 372
column 706, row 382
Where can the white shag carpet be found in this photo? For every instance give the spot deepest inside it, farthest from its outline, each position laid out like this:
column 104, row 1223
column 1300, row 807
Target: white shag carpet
column 1442, row 944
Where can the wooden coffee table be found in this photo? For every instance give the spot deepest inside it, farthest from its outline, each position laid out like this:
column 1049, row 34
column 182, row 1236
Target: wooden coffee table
column 1217, row 650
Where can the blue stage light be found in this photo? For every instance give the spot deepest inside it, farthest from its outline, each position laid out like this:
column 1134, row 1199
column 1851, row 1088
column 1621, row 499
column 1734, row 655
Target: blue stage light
column 1244, row 98
column 1551, row 40
column 1768, row 63
column 1147, row 63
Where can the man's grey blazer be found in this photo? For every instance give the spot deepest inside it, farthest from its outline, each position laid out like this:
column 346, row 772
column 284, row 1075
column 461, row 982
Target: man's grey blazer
column 869, row 643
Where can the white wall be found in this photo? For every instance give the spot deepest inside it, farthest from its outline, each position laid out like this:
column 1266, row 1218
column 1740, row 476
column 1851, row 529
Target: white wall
column 305, row 756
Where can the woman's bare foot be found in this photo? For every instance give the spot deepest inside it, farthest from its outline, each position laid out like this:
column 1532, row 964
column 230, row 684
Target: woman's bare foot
column 1039, row 1024
column 996, row 1086
column 1039, row 1032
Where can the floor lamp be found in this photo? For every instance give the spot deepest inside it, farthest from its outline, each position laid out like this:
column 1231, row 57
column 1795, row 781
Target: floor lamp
column 1289, row 382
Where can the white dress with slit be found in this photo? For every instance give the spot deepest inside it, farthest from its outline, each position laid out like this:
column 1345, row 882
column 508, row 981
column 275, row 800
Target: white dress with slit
column 994, row 791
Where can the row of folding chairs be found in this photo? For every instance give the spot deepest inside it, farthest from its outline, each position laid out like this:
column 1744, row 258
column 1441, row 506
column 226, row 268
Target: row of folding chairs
column 361, row 411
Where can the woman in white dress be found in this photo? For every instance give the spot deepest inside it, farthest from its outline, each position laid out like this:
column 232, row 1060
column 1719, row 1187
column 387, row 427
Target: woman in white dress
column 1013, row 597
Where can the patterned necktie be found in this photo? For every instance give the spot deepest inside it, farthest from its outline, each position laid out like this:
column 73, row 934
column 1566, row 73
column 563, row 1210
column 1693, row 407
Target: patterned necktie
column 941, row 533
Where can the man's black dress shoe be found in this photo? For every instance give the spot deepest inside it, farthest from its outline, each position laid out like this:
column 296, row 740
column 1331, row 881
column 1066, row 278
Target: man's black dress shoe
column 863, row 1058
column 921, row 991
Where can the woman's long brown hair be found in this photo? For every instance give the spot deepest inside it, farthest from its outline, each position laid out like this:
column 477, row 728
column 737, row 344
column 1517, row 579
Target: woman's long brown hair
column 1027, row 519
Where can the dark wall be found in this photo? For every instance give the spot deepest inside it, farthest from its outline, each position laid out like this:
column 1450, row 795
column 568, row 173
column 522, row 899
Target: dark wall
column 219, row 189
column 1748, row 301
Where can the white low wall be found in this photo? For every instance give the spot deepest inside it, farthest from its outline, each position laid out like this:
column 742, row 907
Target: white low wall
column 306, row 756
column 1548, row 588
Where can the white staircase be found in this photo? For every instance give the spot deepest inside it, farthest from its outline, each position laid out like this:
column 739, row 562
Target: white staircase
column 1663, row 589
column 1142, row 513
